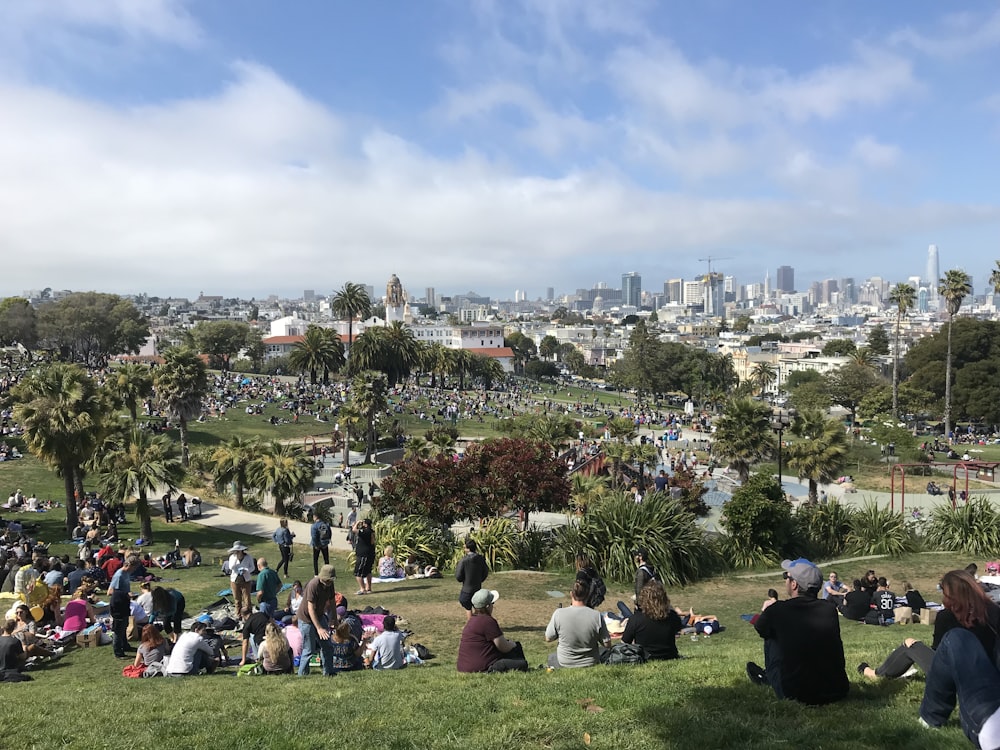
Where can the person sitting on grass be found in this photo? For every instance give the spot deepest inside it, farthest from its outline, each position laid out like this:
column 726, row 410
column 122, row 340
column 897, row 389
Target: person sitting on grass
column 78, row 613
column 12, row 656
column 346, row 649
column 387, row 647
column 26, row 632
column 857, row 603
column 276, row 654
column 192, row 653
column 152, row 648
column 580, row 631
column 483, row 647
column 655, row 624
column 387, row 566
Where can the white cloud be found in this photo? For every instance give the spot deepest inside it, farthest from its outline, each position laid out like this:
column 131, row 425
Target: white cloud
column 959, row 35
column 872, row 153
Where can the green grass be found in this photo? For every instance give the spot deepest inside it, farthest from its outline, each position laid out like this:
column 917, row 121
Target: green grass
column 703, row 700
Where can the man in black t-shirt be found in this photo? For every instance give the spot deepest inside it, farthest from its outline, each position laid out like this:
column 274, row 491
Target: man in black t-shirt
column 471, row 571
column 857, row 604
column 883, row 603
column 254, row 626
column 803, row 652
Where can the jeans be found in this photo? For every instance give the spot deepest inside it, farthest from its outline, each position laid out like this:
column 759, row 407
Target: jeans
column 311, row 644
column 904, row 657
column 286, row 558
column 268, row 607
column 772, row 667
column 317, row 551
column 961, row 670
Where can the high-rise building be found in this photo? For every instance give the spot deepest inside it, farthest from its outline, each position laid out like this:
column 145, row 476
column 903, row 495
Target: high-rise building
column 632, row 289
column 431, row 296
column 308, row 295
column 550, row 293
column 673, row 290
column 694, row 292
column 932, row 275
column 785, row 279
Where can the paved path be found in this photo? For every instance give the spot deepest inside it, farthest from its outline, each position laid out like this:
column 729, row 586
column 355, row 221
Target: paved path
column 246, row 524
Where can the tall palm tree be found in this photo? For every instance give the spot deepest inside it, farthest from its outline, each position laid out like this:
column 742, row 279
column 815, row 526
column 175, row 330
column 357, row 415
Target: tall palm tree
column 763, row 374
column 743, row 435
column 903, row 296
column 136, row 462
column 954, row 287
column 231, row 461
column 486, row 371
column 320, row 350
column 62, row 412
column 821, row 453
column 350, row 302
column 129, row 384
column 404, row 352
column 619, row 453
column 644, row 455
column 863, row 356
column 181, row 384
column 285, row 471
column 352, row 423
column 369, row 396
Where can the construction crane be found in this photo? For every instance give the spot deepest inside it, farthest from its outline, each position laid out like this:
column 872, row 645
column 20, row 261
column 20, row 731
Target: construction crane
column 710, row 258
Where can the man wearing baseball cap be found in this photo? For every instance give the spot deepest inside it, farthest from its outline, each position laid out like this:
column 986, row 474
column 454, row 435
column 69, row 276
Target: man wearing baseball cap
column 483, row 647
column 803, row 653
column 315, row 617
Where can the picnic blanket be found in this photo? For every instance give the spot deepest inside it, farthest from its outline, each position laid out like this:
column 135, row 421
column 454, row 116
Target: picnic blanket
column 388, row 580
column 229, row 591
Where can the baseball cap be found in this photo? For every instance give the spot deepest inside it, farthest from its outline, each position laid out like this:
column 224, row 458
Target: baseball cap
column 484, row 598
column 327, row 573
column 803, row 572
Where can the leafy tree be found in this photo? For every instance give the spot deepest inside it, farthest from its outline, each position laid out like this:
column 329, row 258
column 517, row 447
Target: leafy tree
column 181, row 384
column 812, row 394
column 954, row 287
column 839, row 348
column 575, row 362
column 255, row 349
column 352, row 302
column 129, row 384
column 878, row 339
column 62, row 412
column 231, row 462
column 849, row 385
column 741, row 324
column 758, row 523
column 801, row 377
column 524, row 349
column 133, row 461
column 757, row 340
column 910, row 400
column 91, row 327
column 903, row 296
column 18, row 323
column 485, row 370
column 319, row 351
column 548, row 347
column 743, row 435
column 285, row 471
column 221, row 340
column 820, row 454
column 539, row 370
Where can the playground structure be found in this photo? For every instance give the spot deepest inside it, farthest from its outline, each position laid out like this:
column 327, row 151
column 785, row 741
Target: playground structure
column 985, row 470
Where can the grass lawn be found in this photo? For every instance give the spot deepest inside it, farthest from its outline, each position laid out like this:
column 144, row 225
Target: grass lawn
column 703, row 700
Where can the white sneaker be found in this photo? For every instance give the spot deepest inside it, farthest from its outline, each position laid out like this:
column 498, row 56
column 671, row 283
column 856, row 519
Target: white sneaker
column 911, row 672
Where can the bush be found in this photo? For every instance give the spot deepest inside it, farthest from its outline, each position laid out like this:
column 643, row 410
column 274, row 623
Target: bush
column 498, row 540
column 610, row 531
column 880, row 531
column 822, row 530
column 758, row 524
column 431, row 543
column 534, row 548
column 973, row 528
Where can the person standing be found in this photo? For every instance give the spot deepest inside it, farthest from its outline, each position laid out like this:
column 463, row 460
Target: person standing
column 121, row 602
column 182, row 506
column 471, row 571
column 168, row 512
column 268, row 586
column 283, row 536
column 241, row 571
column 803, row 652
column 364, row 551
column 645, row 572
column 319, row 538
column 315, row 615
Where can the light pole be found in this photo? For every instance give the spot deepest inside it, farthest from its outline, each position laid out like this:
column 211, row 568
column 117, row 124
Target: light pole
column 781, row 420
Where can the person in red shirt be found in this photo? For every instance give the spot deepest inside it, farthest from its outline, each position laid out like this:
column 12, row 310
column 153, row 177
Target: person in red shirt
column 483, row 647
column 111, row 565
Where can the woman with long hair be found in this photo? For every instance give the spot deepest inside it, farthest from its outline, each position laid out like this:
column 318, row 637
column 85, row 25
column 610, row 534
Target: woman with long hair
column 586, row 572
column 168, row 605
column 152, row 647
column 276, row 654
column 655, row 625
column 79, row 613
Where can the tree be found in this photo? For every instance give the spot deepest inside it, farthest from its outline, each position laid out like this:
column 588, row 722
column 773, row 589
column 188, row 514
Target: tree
column 743, row 435
column 548, row 347
column 903, row 297
column 524, row 349
column 62, row 411
column 352, row 302
column 758, row 523
column 221, row 340
column 129, row 384
column 319, row 351
column 231, row 463
column 741, row 324
column 863, row 356
column 539, row 370
column 849, row 385
column 801, row 377
column 575, row 362
column 839, row 348
column 821, row 451
column 18, row 323
column 763, row 374
column 136, row 462
column 181, row 384
column 369, row 397
column 91, row 327
column 995, row 278
column 392, row 350
column 285, row 471
column 878, row 339
column 954, row 287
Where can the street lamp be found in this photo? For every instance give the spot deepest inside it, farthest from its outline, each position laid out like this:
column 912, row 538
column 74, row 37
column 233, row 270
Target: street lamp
column 781, row 420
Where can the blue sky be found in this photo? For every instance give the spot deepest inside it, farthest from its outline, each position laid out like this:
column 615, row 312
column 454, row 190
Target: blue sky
column 258, row 147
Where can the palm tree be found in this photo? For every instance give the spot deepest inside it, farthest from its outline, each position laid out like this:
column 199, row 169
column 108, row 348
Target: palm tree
column 351, row 423
column 62, row 412
column 743, row 435
column 442, row 442
column 486, row 370
column 352, row 301
column 404, row 352
column 619, row 453
column 285, row 471
column 644, row 455
column 554, row 431
column 320, row 350
column 181, row 383
column 231, row 461
column 903, row 297
column 136, row 462
column 418, row 449
column 369, row 397
column 129, row 384
column 862, row 356
column 763, row 374
column 995, row 278
column 954, row 287
column 587, row 490
column 821, row 453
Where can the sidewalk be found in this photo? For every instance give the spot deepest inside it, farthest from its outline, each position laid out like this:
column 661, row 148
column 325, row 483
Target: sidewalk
column 245, row 524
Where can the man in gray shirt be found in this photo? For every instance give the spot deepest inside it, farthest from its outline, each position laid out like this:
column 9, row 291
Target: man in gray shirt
column 580, row 631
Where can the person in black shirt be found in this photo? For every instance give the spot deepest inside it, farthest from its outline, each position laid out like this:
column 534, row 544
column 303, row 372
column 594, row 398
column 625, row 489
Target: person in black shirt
column 857, row 604
column 586, row 572
column 803, row 652
column 883, row 604
column 471, row 571
column 869, row 583
column 655, row 626
column 644, row 573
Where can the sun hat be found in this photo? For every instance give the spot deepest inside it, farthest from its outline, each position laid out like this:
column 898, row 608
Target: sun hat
column 327, row 573
column 238, row 547
column 484, row 598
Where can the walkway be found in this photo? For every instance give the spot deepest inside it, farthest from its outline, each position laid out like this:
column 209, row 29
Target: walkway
column 244, row 524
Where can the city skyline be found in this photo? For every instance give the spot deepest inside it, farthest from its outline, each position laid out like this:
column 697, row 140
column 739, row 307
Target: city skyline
column 474, row 147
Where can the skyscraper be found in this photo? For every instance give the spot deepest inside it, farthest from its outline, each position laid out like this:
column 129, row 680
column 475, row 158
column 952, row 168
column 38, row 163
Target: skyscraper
column 632, row 289
column 932, row 276
column 550, row 293
column 785, row 279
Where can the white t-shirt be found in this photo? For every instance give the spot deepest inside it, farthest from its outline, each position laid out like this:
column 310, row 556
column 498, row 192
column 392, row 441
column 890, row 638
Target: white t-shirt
column 182, row 657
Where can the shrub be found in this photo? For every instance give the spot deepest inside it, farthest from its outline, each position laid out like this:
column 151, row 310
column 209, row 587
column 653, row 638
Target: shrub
column 534, row 547
column 973, row 528
column 758, row 524
column 610, row 532
column 822, row 530
column 498, row 540
column 431, row 543
column 880, row 531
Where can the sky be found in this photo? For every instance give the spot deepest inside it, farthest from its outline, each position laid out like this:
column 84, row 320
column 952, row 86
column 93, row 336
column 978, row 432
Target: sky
column 265, row 147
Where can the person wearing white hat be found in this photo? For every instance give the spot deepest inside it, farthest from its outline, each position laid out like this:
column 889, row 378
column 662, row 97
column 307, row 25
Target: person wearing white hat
column 483, row 647
column 241, row 572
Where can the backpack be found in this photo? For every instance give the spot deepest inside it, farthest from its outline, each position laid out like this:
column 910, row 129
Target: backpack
column 324, row 533
column 624, row 653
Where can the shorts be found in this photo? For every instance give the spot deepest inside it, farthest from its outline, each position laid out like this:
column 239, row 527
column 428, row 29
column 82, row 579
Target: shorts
column 465, row 599
column 363, row 566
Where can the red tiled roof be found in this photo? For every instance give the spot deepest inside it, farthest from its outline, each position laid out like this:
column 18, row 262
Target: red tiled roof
column 498, row 352
column 283, row 339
